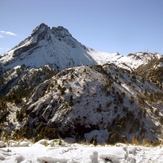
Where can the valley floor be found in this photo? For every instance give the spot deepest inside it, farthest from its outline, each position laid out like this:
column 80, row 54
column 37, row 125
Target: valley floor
column 61, row 152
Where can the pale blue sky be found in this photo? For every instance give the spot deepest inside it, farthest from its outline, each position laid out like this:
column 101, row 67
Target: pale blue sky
column 122, row 26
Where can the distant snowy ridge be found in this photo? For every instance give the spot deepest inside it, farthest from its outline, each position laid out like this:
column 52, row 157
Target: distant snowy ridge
column 134, row 60
column 56, row 47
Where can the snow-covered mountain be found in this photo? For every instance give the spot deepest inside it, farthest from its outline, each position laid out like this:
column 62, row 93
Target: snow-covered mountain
column 98, row 100
column 53, row 86
column 134, row 60
column 102, row 103
column 57, row 47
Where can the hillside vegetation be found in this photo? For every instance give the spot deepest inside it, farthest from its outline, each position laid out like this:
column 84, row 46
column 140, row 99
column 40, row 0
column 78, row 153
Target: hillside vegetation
column 107, row 102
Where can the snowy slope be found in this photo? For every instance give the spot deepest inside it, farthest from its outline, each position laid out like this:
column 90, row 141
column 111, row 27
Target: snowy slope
column 85, row 103
column 57, row 47
column 134, row 60
column 54, row 46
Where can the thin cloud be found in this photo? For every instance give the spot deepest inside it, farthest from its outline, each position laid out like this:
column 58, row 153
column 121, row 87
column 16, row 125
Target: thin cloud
column 1, row 36
column 11, row 33
column 8, row 33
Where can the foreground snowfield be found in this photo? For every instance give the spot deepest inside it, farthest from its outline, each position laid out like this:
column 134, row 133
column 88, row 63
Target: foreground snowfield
column 55, row 151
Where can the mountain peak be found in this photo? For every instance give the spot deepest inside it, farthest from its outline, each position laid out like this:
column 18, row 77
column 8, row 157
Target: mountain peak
column 60, row 31
column 39, row 29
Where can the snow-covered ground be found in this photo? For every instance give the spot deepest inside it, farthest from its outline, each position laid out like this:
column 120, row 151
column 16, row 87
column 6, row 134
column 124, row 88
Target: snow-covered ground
column 56, row 151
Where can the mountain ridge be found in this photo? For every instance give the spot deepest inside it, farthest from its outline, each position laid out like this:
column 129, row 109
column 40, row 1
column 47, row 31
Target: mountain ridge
column 55, row 46
column 52, row 86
